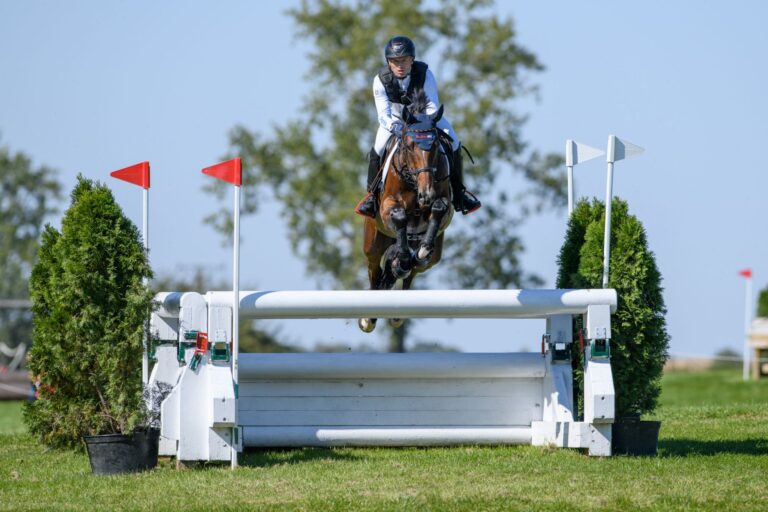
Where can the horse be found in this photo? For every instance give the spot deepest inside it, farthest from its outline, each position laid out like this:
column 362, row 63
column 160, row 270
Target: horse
column 406, row 238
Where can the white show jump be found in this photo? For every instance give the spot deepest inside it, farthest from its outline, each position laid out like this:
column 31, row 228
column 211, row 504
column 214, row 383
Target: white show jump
column 365, row 399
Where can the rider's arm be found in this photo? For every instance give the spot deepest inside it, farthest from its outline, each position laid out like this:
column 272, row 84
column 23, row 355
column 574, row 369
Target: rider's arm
column 430, row 89
column 383, row 105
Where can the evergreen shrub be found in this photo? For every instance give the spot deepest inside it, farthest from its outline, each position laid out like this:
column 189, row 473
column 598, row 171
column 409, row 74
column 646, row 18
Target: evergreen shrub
column 89, row 306
column 639, row 341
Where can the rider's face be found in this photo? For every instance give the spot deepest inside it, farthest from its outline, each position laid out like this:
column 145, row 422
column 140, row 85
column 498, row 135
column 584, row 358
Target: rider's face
column 401, row 66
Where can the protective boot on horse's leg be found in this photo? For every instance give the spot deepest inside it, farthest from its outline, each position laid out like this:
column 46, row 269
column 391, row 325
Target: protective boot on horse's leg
column 367, row 206
column 463, row 200
column 402, row 260
column 424, row 254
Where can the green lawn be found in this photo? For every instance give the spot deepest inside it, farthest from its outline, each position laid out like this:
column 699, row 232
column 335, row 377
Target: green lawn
column 713, row 455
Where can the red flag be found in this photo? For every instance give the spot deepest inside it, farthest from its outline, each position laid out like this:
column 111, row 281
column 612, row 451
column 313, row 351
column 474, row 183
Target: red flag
column 137, row 174
column 747, row 272
column 230, row 171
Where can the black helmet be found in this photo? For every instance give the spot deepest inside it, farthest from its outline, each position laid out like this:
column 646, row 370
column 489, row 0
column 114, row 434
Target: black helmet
column 399, row 46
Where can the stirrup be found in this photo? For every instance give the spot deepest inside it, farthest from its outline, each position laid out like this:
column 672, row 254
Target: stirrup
column 465, row 210
column 367, row 206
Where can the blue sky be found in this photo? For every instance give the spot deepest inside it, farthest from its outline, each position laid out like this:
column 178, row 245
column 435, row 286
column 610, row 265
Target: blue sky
column 92, row 86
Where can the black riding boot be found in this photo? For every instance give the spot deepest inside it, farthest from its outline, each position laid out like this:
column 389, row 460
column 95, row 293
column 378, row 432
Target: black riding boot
column 367, row 206
column 463, row 200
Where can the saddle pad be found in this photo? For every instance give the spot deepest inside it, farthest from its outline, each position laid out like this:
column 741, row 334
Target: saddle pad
column 387, row 162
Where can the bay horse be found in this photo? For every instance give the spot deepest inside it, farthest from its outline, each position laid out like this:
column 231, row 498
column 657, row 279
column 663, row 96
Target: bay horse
column 406, row 238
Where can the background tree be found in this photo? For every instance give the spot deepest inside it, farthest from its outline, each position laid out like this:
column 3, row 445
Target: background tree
column 28, row 195
column 762, row 303
column 315, row 164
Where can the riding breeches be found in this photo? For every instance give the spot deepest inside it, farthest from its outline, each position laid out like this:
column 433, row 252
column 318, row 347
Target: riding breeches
column 382, row 136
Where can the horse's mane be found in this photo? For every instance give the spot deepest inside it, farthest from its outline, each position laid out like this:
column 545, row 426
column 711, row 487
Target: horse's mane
column 418, row 104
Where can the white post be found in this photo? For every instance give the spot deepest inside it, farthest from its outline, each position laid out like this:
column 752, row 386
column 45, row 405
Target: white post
column 236, row 316
column 747, row 325
column 145, row 233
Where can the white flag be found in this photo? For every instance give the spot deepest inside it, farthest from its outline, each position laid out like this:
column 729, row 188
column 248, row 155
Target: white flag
column 576, row 152
column 620, row 149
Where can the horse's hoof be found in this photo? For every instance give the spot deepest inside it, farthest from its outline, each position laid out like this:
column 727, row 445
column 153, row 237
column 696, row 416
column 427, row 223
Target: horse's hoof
column 423, row 256
column 396, row 322
column 424, row 253
column 399, row 270
column 366, row 324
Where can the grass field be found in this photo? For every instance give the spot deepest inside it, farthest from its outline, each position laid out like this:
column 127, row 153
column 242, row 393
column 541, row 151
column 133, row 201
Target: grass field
column 713, row 455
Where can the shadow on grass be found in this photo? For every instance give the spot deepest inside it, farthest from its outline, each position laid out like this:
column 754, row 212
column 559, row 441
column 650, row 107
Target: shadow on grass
column 688, row 447
column 257, row 458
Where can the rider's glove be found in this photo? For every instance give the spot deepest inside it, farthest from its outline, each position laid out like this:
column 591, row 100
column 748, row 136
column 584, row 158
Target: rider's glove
column 397, row 128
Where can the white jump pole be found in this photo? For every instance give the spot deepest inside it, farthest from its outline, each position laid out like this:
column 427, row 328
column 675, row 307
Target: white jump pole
column 576, row 153
column 617, row 150
column 415, row 303
column 138, row 174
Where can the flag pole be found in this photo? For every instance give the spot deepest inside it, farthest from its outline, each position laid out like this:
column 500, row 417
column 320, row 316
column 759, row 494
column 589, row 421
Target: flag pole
column 231, row 172
column 575, row 153
column 569, row 170
column 138, row 174
column 617, row 150
column 145, row 234
column 607, row 234
column 747, row 321
column 236, row 313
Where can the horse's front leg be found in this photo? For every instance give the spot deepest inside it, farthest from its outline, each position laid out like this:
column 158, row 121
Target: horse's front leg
column 439, row 209
column 402, row 263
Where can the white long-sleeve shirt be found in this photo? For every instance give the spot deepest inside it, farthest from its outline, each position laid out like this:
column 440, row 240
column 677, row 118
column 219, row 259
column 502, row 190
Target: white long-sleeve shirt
column 387, row 110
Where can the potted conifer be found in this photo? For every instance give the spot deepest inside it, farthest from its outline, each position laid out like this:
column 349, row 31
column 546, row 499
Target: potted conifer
column 639, row 340
column 89, row 305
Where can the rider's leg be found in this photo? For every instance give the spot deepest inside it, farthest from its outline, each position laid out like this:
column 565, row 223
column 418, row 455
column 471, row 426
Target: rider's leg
column 463, row 200
column 367, row 206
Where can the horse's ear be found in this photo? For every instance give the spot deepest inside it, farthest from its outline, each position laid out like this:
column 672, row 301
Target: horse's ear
column 437, row 115
column 407, row 116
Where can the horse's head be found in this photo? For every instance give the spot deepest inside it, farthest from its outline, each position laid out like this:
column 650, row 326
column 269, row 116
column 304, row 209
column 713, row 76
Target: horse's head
column 421, row 152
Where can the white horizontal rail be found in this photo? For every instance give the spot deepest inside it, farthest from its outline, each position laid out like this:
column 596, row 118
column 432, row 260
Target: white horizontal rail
column 168, row 303
column 283, row 436
column 537, row 303
column 390, row 366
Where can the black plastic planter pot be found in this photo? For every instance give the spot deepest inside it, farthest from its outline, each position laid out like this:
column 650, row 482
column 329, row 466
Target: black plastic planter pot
column 632, row 436
column 112, row 454
column 147, row 442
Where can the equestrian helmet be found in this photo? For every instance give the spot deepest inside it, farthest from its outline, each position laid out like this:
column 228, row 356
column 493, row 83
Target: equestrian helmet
column 399, row 46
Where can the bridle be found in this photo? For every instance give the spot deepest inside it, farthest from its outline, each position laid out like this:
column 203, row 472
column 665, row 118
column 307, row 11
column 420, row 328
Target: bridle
column 420, row 137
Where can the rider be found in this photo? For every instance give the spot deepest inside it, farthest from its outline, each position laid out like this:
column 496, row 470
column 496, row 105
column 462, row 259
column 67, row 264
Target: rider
column 395, row 82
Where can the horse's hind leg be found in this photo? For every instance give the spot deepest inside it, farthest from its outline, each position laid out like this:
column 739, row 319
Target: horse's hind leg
column 397, row 322
column 374, row 246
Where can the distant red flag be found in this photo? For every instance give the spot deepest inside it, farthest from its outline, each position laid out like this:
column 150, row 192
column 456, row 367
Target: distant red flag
column 747, row 272
column 230, row 171
column 137, row 174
